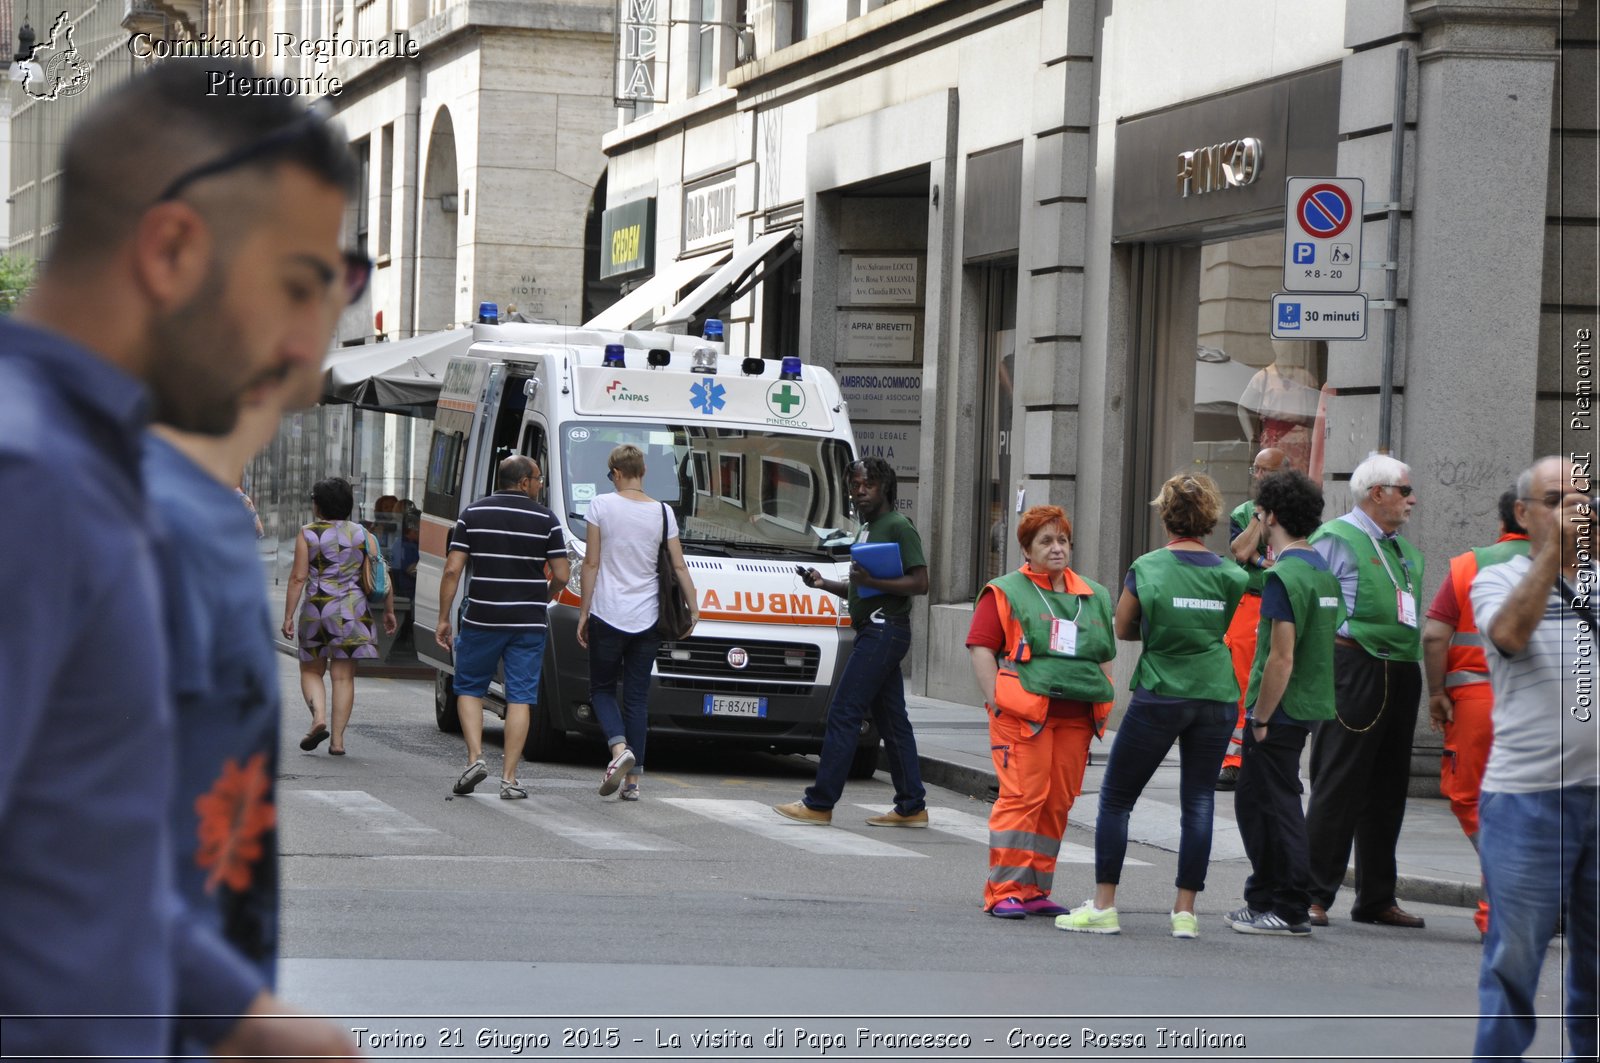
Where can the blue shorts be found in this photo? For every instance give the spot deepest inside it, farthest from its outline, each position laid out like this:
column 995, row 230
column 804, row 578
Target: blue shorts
column 479, row 649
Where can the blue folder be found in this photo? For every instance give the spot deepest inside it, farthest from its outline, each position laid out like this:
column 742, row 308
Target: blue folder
column 881, row 560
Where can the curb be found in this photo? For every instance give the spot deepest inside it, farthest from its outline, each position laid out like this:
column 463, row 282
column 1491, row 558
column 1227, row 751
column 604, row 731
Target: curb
column 980, row 784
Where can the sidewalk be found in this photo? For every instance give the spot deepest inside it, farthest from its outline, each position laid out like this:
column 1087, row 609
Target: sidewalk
column 1436, row 862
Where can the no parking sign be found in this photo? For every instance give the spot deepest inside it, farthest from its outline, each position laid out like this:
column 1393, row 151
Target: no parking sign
column 1322, row 234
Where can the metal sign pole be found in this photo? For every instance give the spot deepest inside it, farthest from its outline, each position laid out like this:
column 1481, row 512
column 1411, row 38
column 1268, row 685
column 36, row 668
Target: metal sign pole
column 1391, row 266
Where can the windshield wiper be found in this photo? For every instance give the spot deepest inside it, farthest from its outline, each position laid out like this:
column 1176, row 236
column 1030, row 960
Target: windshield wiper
column 730, row 546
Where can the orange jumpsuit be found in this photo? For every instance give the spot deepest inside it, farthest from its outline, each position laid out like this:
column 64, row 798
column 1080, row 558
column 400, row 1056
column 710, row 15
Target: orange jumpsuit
column 1040, row 766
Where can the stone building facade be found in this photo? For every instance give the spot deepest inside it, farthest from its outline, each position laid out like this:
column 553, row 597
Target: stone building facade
column 997, row 250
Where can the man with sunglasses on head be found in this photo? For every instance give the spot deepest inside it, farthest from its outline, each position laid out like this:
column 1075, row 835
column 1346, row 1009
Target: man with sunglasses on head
column 1361, row 759
column 196, row 266
column 1539, row 808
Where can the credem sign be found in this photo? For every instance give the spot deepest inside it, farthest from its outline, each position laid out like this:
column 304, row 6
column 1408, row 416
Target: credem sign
column 628, row 239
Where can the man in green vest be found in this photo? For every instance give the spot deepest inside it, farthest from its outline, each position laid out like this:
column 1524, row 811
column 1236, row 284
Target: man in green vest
column 1361, row 759
column 1290, row 690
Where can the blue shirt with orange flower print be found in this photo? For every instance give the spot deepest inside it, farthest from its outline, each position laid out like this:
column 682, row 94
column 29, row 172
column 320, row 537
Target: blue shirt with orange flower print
column 224, row 682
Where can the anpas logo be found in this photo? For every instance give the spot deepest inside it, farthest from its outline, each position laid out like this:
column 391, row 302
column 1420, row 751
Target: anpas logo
column 706, row 396
column 619, row 393
column 55, row 70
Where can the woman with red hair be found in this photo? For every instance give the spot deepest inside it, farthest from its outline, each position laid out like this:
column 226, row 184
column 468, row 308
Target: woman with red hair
column 1041, row 644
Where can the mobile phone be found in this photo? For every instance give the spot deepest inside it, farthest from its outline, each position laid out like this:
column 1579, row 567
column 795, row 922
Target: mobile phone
column 804, row 574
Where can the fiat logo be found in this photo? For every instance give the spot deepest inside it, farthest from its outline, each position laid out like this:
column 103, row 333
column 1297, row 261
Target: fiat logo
column 737, row 657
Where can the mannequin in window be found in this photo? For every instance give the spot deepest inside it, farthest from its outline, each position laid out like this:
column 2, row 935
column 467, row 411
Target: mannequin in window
column 1279, row 404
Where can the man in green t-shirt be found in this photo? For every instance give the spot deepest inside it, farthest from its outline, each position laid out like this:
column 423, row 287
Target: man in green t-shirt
column 871, row 681
column 1290, row 686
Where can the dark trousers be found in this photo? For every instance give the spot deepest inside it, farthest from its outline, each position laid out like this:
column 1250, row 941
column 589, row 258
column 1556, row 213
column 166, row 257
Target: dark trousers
column 625, row 657
column 1149, row 729
column 1360, row 766
column 872, row 683
column 1266, row 806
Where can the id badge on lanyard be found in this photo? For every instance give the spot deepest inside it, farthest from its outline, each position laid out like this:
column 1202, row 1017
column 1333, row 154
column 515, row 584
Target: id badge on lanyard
column 1064, row 636
column 1405, row 607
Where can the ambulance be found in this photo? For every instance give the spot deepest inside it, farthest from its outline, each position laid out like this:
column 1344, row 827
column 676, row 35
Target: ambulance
column 752, row 455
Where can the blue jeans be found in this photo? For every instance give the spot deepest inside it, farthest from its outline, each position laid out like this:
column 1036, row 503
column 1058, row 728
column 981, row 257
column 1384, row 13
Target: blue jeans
column 620, row 656
column 871, row 682
column 1202, row 730
column 1538, row 853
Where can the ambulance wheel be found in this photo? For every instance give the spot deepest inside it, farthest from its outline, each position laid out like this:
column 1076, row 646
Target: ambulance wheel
column 545, row 740
column 865, row 761
column 444, row 704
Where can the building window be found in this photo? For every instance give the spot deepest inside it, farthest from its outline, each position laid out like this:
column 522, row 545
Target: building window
column 1216, row 387
column 385, row 186
column 704, row 31
column 996, row 515
column 791, row 22
column 363, row 153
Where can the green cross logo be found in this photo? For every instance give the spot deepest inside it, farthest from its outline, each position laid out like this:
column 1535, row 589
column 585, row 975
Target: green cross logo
column 785, row 400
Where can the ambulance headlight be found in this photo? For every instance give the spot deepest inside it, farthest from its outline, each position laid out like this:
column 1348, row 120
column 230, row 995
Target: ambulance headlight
column 575, row 580
column 703, row 361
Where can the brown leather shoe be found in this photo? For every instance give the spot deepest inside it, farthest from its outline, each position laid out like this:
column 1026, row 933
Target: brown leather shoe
column 1317, row 915
column 895, row 819
column 1393, row 915
column 801, row 812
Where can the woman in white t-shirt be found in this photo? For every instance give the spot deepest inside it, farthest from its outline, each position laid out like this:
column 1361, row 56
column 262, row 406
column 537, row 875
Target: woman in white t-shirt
column 617, row 623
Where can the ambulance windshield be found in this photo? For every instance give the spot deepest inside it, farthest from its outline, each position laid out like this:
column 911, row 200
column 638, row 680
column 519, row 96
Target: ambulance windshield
column 732, row 489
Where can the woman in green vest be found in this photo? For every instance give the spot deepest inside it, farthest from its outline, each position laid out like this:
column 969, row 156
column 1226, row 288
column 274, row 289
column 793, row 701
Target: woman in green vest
column 1041, row 646
column 1179, row 601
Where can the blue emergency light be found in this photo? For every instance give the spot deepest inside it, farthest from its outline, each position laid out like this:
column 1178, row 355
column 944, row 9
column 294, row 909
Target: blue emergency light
column 613, row 357
column 790, row 369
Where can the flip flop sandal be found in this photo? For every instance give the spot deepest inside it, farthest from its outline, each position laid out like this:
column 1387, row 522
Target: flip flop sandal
column 314, row 738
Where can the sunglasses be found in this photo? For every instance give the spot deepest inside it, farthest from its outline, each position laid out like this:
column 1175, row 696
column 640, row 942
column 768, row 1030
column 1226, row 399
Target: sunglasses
column 310, row 126
column 1404, row 489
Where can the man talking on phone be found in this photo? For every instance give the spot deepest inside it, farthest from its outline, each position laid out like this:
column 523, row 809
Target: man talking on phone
column 872, row 681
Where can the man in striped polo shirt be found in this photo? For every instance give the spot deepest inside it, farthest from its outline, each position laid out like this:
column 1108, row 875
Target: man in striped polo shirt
column 509, row 538
column 1539, row 809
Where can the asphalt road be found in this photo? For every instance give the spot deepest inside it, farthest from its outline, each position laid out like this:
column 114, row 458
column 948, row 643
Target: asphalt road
column 623, row 930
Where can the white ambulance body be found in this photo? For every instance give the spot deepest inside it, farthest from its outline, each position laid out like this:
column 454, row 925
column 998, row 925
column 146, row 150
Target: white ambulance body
column 753, row 464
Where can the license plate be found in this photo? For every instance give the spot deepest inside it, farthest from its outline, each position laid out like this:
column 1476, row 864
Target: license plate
column 723, row 705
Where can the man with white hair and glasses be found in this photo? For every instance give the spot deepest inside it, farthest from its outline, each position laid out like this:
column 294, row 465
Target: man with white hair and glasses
column 1361, row 759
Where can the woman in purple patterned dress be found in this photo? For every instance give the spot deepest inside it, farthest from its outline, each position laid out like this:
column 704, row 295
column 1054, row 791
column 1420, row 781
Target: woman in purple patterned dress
column 335, row 618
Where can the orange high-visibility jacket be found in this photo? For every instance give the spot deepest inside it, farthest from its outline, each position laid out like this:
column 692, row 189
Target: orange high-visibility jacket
column 1464, row 661
column 1013, row 630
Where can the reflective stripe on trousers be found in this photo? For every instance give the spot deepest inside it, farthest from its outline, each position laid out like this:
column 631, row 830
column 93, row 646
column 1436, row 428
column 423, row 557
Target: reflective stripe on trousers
column 1040, row 776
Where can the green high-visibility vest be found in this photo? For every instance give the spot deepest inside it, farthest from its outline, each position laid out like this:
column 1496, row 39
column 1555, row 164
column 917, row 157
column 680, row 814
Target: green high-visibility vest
column 1076, row 678
column 1242, row 515
column 1499, row 553
column 1186, row 611
column 1376, row 623
column 1318, row 608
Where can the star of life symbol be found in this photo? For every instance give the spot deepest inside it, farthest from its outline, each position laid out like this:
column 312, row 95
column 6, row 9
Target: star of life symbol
column 706, row 396
column 55, row 70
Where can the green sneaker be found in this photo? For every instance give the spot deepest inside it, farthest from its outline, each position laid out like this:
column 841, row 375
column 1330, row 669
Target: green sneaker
column 1087, row 919
column 1185, row 925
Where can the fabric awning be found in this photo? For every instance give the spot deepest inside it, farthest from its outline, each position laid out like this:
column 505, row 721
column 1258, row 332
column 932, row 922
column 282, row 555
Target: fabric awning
column 737, row 268
column 658, row 291
column 402, row 373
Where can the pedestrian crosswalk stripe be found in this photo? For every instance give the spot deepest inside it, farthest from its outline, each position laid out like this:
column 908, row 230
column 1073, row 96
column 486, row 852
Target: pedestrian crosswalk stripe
column 760, row 819
column 368, row 813
column 554, row 814
column 976, row 829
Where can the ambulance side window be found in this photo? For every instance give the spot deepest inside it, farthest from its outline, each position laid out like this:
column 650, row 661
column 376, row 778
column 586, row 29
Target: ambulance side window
column 533, row 446
column 447, row 455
